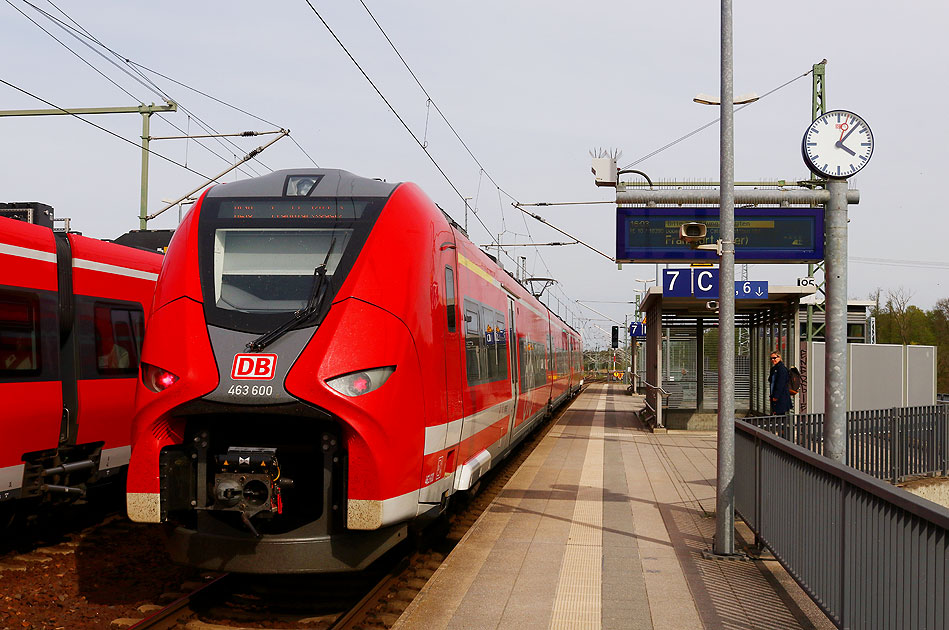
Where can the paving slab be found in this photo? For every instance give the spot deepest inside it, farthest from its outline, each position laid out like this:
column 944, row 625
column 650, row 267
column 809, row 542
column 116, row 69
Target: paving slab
column 604, row 526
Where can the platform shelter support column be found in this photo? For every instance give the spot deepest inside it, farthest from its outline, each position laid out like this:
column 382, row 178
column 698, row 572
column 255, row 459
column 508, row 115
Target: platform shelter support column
column 699, row 364
column 654, row 358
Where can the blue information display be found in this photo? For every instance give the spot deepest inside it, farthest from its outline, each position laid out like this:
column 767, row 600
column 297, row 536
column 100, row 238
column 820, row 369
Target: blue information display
column 637, row 329
column 762, row 235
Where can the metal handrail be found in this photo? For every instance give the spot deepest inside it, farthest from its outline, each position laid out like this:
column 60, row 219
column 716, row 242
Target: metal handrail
column 661, row 390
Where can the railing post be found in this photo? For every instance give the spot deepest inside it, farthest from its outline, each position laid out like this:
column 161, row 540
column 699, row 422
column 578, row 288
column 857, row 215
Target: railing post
column 758, row 544
column 943, row 412
column 846, row 578
column 895, row 454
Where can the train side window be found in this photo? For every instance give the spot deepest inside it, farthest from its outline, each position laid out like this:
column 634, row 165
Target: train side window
column 473, row 343
column 500, row 342
column 489, row 361
column 450, row 297
column 117, row 343
column 19, row 336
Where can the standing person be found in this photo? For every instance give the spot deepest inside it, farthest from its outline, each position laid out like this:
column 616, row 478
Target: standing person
column 780, row 396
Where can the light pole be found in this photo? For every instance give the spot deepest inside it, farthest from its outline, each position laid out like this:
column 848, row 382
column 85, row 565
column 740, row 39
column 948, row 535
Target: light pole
column 724, row 543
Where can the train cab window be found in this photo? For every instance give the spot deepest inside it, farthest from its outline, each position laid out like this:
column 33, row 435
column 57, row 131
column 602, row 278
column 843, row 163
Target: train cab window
column 118, row 339
column 272, row 270
column 450, row 297
column 19, row 336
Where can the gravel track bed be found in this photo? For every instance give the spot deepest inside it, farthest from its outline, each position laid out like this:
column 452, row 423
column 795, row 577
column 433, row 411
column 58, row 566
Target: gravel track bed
column 88, row 569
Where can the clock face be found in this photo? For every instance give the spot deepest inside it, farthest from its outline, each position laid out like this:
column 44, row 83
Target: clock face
column 837, row 145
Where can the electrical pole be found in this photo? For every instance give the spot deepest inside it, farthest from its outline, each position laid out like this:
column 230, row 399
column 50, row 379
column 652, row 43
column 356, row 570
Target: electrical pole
column 818, row 107
column 145, row 110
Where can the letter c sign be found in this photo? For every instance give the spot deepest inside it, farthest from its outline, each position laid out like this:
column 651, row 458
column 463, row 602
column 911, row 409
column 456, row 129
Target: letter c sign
column 254, row 366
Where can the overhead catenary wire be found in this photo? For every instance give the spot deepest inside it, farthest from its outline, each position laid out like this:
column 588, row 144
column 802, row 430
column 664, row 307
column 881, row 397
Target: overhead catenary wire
column 430, row 102
column 108, row 131
column 81, row 34
column 395, row 112
column 919, row 264
column 707, row 125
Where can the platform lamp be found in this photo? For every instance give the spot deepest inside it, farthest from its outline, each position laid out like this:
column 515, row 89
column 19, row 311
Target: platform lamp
column 724, row 541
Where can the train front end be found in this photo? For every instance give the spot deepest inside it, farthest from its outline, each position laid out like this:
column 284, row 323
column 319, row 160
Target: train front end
column 267, row 431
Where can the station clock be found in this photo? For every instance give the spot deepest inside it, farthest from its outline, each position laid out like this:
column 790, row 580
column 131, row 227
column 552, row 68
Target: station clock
column 837, row 145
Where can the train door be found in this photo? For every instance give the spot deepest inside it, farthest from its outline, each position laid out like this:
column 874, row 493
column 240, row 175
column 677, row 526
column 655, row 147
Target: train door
column 453, row 351
column 454, row 355
column 512, row 362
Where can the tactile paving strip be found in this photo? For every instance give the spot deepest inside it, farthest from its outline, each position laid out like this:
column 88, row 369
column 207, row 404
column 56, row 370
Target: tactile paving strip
column 579, row 590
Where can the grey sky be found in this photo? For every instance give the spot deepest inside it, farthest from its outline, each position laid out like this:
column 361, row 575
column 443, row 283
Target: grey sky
column 531, row 87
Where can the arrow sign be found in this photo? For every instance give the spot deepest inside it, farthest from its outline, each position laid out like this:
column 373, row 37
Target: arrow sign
column 637, row 329
column 751, row 290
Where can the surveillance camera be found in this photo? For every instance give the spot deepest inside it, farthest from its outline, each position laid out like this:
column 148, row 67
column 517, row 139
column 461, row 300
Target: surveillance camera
column 692, row 233
column 712, row 305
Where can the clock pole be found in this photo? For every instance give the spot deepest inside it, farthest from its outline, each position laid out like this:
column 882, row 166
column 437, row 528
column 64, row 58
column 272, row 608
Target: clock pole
column 835, row 328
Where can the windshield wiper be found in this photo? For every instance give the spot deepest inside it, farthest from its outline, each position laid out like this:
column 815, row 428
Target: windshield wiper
column 313, row 306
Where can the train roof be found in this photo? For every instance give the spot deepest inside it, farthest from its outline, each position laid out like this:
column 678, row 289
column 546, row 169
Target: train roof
column 330, row 182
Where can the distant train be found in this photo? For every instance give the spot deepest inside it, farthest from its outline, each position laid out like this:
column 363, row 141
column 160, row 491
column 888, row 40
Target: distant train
column 329, row 360
column 72, row 318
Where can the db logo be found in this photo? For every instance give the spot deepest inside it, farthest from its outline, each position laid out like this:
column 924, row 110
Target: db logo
column 253, row 366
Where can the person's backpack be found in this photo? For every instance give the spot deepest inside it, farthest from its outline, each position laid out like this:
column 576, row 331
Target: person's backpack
column 794, row 381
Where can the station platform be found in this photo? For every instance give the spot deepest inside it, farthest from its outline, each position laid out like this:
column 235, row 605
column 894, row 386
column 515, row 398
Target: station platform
column 604, row 526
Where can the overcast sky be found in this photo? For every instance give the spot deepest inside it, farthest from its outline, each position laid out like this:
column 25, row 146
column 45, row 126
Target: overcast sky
column 530, row 87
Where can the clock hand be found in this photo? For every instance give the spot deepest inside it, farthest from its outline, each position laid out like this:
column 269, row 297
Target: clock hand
column 840, row 145
column 852, row 129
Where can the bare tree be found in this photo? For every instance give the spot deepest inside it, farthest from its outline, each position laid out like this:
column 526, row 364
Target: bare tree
column 897, row 305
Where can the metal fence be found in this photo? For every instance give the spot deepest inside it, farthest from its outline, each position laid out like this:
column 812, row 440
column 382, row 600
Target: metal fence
column 868, row 554
column 890, row 444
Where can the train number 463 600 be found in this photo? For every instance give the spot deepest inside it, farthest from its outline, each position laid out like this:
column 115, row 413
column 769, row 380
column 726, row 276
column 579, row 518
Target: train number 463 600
column 251, row 390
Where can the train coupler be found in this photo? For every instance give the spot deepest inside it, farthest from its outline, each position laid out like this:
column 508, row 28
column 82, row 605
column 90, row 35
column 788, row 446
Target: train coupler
column 248, row 481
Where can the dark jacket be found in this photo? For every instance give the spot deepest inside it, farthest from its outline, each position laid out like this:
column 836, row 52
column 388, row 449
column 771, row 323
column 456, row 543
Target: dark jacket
column 780, row 396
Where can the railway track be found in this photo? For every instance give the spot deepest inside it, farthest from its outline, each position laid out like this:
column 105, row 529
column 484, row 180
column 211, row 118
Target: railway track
column 372, row 600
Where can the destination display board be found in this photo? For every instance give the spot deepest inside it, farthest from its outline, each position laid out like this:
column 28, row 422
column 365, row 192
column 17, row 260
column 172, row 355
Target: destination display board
column 762, row 235
column 296, row 208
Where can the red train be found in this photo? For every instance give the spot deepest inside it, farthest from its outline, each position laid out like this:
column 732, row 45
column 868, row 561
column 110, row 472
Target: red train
column 329, row 359
column 72, row 317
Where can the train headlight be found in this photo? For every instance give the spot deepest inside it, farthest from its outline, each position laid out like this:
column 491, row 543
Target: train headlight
column 157, row 379
column 359, row 383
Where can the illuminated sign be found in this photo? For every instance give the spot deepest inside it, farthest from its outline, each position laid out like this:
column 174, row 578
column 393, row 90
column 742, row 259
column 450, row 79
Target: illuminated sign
column 295, row 208
column 762, row 235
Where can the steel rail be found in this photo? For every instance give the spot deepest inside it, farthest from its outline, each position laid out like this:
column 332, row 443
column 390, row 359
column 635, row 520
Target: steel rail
column 168, row 617
column 357, row 613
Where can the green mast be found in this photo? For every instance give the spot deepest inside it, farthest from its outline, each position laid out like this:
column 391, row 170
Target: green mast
column 818, row 107
column 145, row 110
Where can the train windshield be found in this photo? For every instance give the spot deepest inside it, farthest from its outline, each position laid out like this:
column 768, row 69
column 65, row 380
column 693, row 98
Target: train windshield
column 261, row 258
column 264, row 270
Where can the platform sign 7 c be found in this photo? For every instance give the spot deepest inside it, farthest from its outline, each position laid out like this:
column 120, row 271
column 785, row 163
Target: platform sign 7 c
column 677, row 282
